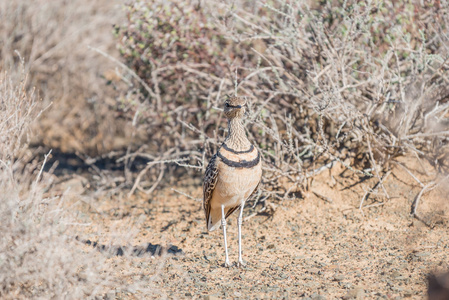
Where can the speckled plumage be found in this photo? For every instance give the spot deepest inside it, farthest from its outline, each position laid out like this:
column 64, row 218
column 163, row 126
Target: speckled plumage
column 233, row 173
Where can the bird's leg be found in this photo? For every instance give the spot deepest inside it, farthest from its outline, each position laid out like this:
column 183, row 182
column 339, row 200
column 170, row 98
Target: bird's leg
column 239, row 222
column 223, row 224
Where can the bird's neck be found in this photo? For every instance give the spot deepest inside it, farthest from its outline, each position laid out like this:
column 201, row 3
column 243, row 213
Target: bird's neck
column 236, row 138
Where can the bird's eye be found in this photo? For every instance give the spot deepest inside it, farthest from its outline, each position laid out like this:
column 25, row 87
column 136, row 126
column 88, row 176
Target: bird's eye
column 227, row 104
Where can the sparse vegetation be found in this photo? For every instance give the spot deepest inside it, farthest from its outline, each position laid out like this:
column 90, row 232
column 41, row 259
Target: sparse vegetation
column 40, row 257
column 359, row 83
column 349, row 105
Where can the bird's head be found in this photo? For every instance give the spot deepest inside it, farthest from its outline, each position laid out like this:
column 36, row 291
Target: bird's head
column 235, row 107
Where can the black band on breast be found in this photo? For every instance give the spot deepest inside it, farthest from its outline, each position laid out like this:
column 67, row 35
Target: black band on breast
column 237, row 152
column 242, row 163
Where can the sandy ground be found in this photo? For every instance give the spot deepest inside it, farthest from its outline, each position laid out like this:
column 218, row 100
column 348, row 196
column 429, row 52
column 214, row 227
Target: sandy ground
column 313, row 247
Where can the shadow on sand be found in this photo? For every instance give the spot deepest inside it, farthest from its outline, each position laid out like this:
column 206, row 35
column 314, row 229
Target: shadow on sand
column 152, row 249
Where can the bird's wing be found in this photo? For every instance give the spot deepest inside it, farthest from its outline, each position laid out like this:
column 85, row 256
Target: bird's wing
column 210, row 180
column 231, row 210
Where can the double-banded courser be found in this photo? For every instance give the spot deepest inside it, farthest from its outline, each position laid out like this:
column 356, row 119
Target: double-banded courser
column 232, row 176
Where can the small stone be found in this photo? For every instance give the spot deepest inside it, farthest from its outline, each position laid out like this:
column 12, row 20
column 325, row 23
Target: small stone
column 314, row 271
column 316, row 296
column 339, row 278
column 422, row 254
column 110, row 295
column 211, row 297
column 299, row 257
column 395, row 274
column 408, row 293
column 356, row 293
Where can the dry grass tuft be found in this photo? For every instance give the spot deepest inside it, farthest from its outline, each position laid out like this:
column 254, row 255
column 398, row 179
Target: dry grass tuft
column 40, row 256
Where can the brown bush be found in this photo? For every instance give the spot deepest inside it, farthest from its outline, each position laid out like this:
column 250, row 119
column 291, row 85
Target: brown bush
column 358, row 84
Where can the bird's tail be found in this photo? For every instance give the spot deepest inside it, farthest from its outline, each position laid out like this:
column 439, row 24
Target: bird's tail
column 213, row 223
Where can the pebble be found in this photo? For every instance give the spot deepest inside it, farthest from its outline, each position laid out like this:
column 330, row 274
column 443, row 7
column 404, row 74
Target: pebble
column 395, row 274
column 316, row 296
column 110, row 295
column 271, row 246
column 299, row 257
column 407, row 293
column 346, row 285
column 314, row 271
column 339, row 278
column 357, row 293
column 422, row 254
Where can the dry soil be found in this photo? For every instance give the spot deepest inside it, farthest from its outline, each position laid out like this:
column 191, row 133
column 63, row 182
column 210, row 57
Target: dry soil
column 317, row 246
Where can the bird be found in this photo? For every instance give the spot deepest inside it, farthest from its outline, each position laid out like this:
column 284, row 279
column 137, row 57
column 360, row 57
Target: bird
column 233, row 174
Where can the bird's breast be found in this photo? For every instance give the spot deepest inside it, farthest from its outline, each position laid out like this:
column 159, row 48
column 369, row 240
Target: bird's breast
column 239, row 175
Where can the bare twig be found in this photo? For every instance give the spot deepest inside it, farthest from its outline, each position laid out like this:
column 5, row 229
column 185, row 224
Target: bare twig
column 156, row 183
column 187, row 195
column 410, row 173
column 133, row 74
column 42, row 167
column 327, row 199
column 426, row 188
column 368, row 192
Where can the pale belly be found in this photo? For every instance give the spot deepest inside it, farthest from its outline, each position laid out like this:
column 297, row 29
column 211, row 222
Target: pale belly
column 235, row 185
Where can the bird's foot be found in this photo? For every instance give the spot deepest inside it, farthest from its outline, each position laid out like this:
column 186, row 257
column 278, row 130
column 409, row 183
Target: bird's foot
column 241, row 264
column 227, row 264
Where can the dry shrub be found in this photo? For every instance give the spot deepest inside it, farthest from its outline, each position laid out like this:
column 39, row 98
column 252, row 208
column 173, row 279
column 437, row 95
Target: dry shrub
column 40, row 257
column 175, row 49
column 354, row 82
column 52, row 38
